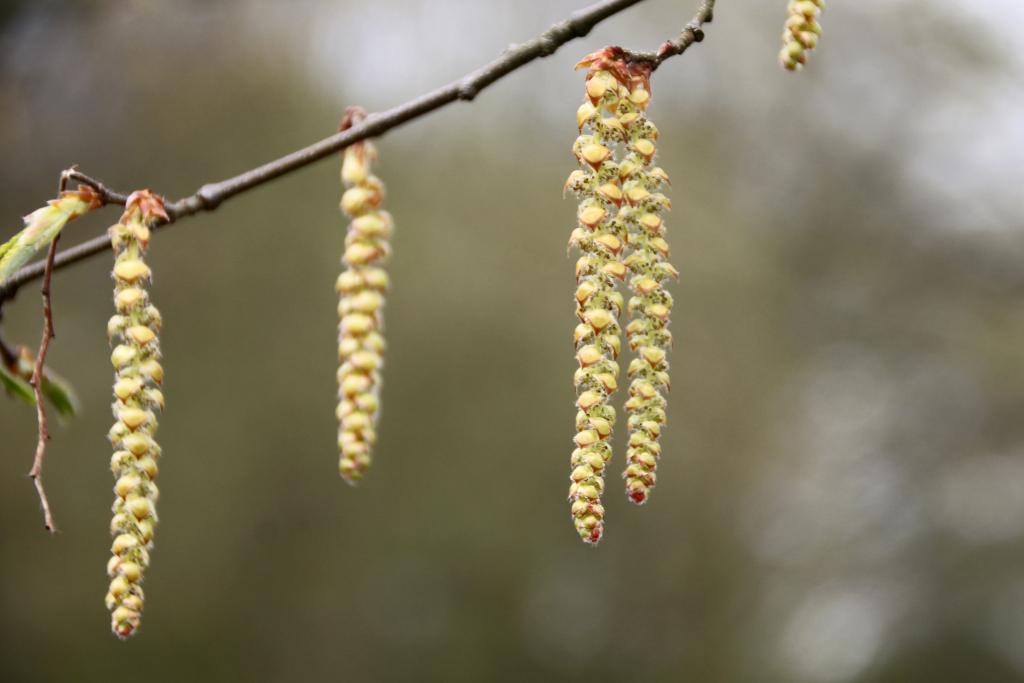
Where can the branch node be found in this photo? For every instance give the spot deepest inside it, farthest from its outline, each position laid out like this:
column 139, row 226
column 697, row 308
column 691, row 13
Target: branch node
column 208, row 197
column 468, row 90
column 575, row 27
column 547, row 46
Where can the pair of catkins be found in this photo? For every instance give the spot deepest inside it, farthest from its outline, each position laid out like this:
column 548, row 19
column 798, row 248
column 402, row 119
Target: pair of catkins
column 621, row 235
column 619, row 212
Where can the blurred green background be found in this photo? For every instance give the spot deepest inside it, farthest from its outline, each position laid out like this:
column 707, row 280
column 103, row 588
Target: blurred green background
column 842, row 492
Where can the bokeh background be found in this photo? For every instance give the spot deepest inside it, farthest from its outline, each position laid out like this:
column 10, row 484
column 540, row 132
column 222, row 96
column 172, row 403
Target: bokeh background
column 842, row 492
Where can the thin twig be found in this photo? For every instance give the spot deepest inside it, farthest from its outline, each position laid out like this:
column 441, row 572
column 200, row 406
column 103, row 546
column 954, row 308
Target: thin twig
column 210, row 196
column 37, row 382
column 108, row 195
column 691, row 33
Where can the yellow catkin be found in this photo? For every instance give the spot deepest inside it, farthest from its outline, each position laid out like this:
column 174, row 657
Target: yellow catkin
column 138, row 377
column 601, row 235
column 362, row 287
column 651, row 305
column 802, row 32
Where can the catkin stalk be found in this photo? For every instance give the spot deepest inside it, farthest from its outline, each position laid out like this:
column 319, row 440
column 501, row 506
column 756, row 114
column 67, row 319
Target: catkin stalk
column 361, row 286
column 138, row 377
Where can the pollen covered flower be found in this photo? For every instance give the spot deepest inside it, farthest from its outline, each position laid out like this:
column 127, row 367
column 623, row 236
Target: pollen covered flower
column 362, row 287
column 802, row 31
column 138, row 400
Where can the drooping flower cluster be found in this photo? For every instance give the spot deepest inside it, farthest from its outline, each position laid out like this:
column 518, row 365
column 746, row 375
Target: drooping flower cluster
column 362, row 287
column 601, row 236
column 802, row 31
column 138, row 377
column 619, row 207
column 651, row 305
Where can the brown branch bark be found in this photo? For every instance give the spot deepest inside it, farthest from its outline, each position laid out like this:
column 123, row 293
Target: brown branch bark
column 36, row 474
column 210, row 196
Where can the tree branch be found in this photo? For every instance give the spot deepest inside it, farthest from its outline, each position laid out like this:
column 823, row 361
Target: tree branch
column 210, row 196
column 36, row 473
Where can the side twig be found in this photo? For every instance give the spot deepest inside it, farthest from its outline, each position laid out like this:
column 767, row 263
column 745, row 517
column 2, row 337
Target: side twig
column 108, row 195
column 37, row 382
column 210, row 196
column 691, row 33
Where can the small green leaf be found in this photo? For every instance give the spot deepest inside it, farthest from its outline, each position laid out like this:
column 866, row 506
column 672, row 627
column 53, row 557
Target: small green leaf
column 42, row 226
column 58, row 392
column 14, row 255
column 17, row 387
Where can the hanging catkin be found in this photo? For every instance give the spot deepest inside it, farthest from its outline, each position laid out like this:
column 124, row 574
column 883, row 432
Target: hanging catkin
column 361, row 286
column 802, row 31
column 137, row 398
column 651, row 305
column 601, row 236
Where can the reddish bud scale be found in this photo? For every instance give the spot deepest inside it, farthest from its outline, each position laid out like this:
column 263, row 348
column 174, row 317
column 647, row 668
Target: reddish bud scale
column 362, row 287
column 137, row 400
column 601, row 236
column 651, row 305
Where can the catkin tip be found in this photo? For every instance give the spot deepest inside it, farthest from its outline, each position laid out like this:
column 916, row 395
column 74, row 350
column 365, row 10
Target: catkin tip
column 801, row 33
